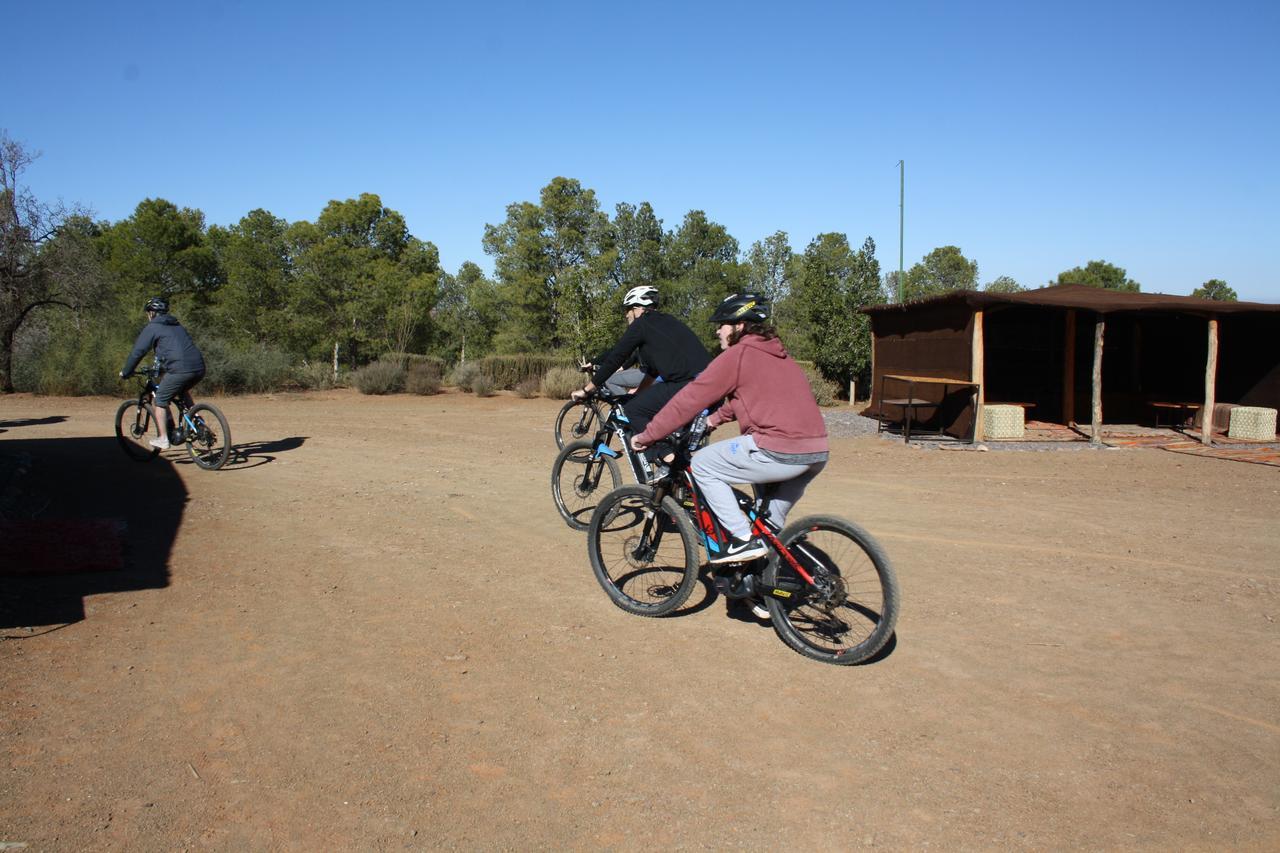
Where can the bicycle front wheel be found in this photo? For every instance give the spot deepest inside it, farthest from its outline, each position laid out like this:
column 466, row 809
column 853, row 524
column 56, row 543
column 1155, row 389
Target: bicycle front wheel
column 135, row 427
column 576, row 421
column 849, row 615
column 579, row 477
column 645, row 555
column 210, row 442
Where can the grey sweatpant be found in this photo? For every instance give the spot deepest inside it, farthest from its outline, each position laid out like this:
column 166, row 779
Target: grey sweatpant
column 738, row 460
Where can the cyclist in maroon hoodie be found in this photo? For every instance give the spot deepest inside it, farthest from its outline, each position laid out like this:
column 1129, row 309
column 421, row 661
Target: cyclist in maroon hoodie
column 784, row 439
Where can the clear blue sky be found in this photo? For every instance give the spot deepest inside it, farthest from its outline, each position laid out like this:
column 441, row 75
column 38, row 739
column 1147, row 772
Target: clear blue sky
column 1036, row 136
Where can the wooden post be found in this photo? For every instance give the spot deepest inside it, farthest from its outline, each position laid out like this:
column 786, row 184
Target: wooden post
column 976, row 376
column 1069, row 370
column 1099, row 330
column 1210, row 383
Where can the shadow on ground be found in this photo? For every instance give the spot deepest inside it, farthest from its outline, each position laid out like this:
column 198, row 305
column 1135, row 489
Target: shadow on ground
column 80, row 518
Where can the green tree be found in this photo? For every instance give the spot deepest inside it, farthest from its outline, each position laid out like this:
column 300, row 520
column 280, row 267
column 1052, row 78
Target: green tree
column 254, row 254
column 1003, row 284
column 832, row 283
column 363, row 284
column 771, row 265
column 943, row 270
column 702, row 268
column 1216, row 289
column 1099, row 274
column 161, row 251
column 47, row 255
column 556, row 263
column 639, row 241
column 467, row 314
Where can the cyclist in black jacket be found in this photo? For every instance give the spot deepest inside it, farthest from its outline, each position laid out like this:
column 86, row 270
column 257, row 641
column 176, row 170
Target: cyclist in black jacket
column 665, row 347
column 179, row 357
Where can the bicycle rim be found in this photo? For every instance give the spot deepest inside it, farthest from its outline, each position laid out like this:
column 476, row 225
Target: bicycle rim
column 645, row 557
column 850, row 618
column 209, row 442
column 135, row 427
column 579, row 478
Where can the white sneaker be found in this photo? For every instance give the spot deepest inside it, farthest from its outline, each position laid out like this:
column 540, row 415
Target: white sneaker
column 758, row 608
column 160, row 443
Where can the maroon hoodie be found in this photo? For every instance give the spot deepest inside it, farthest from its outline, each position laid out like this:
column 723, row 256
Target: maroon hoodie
column 768, row 395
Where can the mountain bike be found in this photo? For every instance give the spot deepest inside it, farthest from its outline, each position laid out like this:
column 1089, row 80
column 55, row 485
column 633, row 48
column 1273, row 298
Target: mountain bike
column 585, row 470
column 201, row 427
column 577, row 419
column 830, row 590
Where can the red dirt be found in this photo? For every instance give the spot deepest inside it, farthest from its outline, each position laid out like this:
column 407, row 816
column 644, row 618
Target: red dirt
column 373, row 631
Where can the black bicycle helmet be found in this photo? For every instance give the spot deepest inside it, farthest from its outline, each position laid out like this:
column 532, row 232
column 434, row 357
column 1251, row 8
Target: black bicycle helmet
column 741, row 308
column 157, row 304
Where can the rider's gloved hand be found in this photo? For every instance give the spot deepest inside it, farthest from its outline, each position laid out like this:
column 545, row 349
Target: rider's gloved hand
column 579, row 395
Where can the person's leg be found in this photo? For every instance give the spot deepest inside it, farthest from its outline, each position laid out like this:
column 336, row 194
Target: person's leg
column 784, row 495
column 623, row 381
column 641, row 408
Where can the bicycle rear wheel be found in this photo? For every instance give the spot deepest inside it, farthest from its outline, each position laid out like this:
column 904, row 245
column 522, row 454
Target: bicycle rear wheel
column 135, row 427
column 645, row 556
column 579, row 478
column 850, row 615
column 210, row 442
column 576, row 421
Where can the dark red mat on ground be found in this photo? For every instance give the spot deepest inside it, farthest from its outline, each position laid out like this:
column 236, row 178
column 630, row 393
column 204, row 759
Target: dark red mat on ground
column 60, row 546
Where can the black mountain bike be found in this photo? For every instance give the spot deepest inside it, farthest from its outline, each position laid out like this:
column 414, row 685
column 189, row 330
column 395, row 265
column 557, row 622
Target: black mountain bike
column 577, row 420
column 586, row 470
column 831, row 592
column 202, row 428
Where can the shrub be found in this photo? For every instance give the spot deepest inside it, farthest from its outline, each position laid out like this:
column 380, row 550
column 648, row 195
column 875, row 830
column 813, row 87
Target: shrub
column 559, row 382
column 527, row 388
column 253, row 368
column 464, row 374
column 381, row 377
column 314, row 377
column 482, row 386
column 423, row 379
column 507, row 371
column 824, row 391
column 410, row 360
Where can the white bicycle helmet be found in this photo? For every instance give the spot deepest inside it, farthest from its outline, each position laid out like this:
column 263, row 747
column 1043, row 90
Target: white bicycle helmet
column 644, row 296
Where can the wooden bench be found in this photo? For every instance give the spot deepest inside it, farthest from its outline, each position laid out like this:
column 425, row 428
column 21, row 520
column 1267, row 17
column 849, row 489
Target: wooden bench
column 1181, row 411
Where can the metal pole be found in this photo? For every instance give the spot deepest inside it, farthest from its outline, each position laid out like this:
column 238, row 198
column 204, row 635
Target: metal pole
column 902, row 195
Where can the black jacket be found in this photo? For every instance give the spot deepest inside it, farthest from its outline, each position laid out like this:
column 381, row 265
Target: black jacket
column 174, row 347
column 665, row 346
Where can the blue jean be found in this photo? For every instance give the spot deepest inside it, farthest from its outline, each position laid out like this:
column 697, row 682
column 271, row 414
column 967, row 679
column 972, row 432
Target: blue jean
column 737, row 460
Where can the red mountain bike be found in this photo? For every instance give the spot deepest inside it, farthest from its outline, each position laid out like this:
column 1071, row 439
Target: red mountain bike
column 831, row 592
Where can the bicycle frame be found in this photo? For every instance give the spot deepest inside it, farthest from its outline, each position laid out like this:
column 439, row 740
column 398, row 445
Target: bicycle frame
column 180, row 426
column 617, row 423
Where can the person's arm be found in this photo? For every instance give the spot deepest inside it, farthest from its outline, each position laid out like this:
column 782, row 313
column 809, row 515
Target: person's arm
column 717, row 381
column 722, row 415
column 144, row 343
column 622, row 350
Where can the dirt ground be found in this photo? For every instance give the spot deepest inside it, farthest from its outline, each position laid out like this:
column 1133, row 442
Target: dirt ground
column 372, row 631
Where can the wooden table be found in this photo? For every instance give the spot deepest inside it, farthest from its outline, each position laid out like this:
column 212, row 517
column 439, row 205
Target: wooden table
column 1181, row 411
column 911, row 402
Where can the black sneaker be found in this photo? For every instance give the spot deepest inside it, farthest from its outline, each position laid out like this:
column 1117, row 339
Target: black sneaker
column 739, row 551
column 658, row 471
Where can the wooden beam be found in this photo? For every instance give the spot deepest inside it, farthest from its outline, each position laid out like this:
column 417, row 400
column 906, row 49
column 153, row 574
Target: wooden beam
column 976, row 372
column 1210, row 384
column 1099, row 330
column 1069, row 369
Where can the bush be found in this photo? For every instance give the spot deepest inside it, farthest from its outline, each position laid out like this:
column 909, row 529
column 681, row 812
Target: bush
column 559, row 382
column 527, row 388
column 824, row 391
column 381, row 377
column 314, row 377
column 464, row 375
column 482, row 386
column 507, row 371
column 423, row 379
column 248, row 369
column 410, row 360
